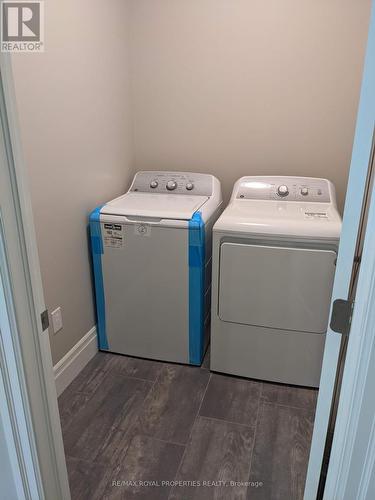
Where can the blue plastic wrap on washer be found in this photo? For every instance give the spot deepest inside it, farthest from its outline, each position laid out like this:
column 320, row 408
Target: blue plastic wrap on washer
column 97, row 251
column 197, row 254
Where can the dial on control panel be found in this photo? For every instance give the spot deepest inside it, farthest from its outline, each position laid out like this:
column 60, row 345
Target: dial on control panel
column 171, row 185
column 189, row 186
column 304, row 191
column 154, row 184
column 283, row 190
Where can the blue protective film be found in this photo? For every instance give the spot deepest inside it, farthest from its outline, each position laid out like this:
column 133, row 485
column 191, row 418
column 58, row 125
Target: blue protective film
column 97, row 251
column 196, row 288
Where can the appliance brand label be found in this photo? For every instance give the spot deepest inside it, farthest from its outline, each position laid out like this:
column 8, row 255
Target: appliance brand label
column 316, row 215
column 113, row 235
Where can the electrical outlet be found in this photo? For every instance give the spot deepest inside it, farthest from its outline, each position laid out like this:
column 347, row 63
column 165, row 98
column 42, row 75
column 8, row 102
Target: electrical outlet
column 57, row 323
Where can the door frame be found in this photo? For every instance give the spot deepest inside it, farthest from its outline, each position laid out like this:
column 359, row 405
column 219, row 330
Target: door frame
column 357, row 353
column 353, row 449
column 30, row 392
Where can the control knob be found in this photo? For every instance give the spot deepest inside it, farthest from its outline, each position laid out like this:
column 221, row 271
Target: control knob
column 171, row 185
column 283, row 190
column 154, row 184
column 189, row 186
column 304, row 191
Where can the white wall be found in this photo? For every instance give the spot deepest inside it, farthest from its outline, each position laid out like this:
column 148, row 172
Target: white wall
column 74, row 114
column 238, row 87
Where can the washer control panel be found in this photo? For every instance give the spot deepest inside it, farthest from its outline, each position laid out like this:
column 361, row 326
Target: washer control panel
column 283, row 188
column 173, row 183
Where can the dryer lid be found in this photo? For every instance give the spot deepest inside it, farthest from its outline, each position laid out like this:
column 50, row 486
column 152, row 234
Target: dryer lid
column 163, row 206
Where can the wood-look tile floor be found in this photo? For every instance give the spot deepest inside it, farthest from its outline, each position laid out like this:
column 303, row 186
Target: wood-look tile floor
column 146, row 430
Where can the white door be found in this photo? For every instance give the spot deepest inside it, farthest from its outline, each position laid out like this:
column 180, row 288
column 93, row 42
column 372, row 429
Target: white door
column 356, row 194
column 30, row 434
column 276, row 301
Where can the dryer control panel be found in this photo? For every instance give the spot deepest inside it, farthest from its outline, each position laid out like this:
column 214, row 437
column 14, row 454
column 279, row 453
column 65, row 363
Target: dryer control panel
column 280, row 188
column 173, row 183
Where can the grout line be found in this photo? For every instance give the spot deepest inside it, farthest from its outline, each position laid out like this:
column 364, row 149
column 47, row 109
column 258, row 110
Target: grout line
column 83, row 392
column 263, row 402
column 105, row 373
column 136, row 417
column 147, row 395
column 191, row 431
column 135, row 420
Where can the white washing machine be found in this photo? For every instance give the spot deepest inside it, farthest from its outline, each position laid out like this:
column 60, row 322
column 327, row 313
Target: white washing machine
column 274, row 256
column 151, row 252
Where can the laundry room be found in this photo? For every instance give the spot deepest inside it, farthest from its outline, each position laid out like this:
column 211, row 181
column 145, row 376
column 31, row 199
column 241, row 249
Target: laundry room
column 187, row 164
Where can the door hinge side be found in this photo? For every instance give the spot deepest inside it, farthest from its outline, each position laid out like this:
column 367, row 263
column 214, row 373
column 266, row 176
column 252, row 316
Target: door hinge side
column 341, row 318
column 45, row 320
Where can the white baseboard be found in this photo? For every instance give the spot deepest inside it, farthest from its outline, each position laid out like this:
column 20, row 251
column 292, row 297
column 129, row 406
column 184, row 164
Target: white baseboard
column 75, row 360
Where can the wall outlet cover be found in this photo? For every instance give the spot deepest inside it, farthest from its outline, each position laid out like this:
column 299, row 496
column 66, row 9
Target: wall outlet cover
column 57, row 323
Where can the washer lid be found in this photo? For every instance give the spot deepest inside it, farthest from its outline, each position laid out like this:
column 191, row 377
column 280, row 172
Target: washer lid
column 162, row 206
column 307, row 220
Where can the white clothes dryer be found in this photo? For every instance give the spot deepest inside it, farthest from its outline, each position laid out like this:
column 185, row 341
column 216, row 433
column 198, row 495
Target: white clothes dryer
column 274, row 256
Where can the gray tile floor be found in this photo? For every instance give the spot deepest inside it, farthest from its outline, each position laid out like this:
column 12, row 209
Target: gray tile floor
column 138, row 429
